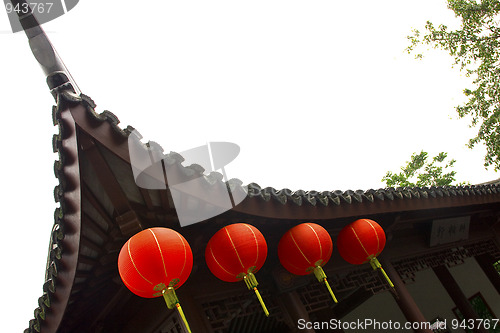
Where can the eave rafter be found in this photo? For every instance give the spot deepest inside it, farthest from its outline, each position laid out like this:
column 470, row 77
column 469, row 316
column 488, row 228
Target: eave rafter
column 126, row 218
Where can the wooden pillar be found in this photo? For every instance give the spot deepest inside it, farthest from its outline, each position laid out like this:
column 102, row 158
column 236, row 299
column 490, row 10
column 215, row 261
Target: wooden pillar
column 296, row 310
column 457, row 295
column 486, row 262
column 403, row 298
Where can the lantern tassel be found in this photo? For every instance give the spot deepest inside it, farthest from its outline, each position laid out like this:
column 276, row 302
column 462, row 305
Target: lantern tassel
column 321, row 276
column 252, row 284
column 376, row 264
column 172, row 301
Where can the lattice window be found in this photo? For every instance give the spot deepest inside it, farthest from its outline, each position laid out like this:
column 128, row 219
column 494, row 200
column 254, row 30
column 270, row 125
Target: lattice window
column 451, row 257
column 315, row 296
column 172, row 324
column 367, row 278
column 221, row 312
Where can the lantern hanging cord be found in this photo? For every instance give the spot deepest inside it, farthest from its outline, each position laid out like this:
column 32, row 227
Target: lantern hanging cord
column 321, row 276
column 376, row 264
column 172, row 301
column 252, row 284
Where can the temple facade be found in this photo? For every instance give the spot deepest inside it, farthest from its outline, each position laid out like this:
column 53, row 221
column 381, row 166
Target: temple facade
column 442, row 243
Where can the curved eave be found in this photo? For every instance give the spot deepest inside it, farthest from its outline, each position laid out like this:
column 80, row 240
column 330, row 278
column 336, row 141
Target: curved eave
column 64, row 243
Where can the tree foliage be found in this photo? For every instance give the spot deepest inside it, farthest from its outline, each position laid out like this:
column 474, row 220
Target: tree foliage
column 418, row 171
column 475, row 47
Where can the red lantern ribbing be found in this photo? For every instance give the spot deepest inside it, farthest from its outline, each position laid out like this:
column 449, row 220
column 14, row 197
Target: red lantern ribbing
column 236, row 252
column 305, row 249
column 155, row 262
column 361, row 242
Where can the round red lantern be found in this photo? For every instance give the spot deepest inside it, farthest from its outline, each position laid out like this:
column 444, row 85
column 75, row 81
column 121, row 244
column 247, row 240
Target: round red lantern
column 155, row 262
column 362, row 241
column 305, row 249
column 236, row 252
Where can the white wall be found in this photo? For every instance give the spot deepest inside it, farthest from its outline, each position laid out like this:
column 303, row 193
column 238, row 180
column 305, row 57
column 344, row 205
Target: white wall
column 381, row 307
column 471, row 279
column 431, row 298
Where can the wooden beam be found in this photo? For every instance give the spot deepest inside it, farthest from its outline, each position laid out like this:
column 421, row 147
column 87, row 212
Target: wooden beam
column 87, row 193
column 403, row 298
column 147, row 198
column 118, row 300
column 104, row 175
column 457, row 295
column 125, row 217
column 87, row 242
column 95, row 227
column 87, row 261
column 486, row 262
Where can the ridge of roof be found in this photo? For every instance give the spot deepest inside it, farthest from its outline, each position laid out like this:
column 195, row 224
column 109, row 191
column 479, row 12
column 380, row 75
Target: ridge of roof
column 338, row 197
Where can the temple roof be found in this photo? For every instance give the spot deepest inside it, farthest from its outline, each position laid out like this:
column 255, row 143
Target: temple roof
column 101, row 206
column 301, row 198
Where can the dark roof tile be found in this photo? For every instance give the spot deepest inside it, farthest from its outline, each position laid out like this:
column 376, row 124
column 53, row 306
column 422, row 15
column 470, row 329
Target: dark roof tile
column 265, row 194
column 338, row 197
column 346, row 197
column 311, row 199
column 323, row 199
column 388, row 193
column 173, row 158
column 213, row 177
column 335, row 199
column 279, row 196
column 368, row 196
column 296, row 198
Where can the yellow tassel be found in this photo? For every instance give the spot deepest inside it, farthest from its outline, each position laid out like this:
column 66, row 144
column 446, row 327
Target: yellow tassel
column 376, row 264
column 331, row 292
column 172, row 301
column 252, row 283
column 179, row 309
column 261, row 301
column 321, row 276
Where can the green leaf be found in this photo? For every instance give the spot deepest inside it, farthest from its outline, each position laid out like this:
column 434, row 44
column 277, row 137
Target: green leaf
column 418, row 171
column 475, row 47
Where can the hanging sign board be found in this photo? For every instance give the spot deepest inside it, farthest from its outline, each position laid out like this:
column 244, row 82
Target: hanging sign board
column 450, row 230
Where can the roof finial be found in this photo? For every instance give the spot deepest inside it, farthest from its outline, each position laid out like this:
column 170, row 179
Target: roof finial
column 57, row 75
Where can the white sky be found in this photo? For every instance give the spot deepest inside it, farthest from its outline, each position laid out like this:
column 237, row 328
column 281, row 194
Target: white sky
column 319, row 95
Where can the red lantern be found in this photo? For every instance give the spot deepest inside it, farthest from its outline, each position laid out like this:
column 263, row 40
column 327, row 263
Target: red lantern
column 305, row 249
column 362, row 241
column 155, row 262
column 236, row 252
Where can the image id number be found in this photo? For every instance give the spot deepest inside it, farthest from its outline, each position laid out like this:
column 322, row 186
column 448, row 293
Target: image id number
column 474, row 323
column 24, row 8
